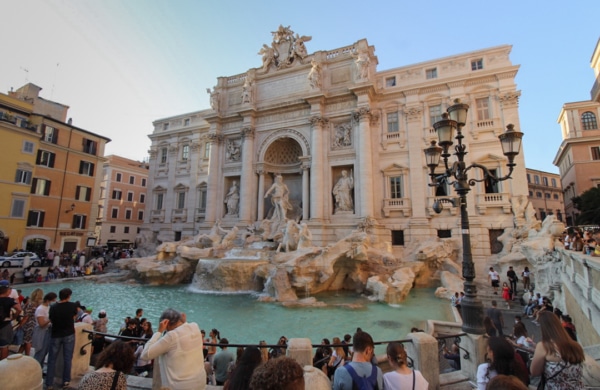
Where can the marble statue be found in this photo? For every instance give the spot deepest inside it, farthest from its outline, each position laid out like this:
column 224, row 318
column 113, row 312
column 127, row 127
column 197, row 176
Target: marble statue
column 362, row 64
column 213, row 236
column 342, row 191
column 305, row 240
column 285, row 50
column 290, row 237
column 268, row 56
column 233, row 151
column 247, row 90
column 314, row 76
column 299, row 47
column 343, row 136
column 229, row 238
column 214, row 98
column 232, row 199
column 279, row 193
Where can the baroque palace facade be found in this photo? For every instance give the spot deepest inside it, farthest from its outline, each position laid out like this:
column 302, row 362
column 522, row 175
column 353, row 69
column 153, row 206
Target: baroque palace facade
column 315, row 118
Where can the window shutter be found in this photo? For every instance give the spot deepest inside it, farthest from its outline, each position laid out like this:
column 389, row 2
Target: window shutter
column 31, row 218
column 51, row 160
column 91, row 169
column 94, row 144
column 83, row 220
column 80, row 167
column 41, row 220
column 47, row 188
column 55, row 136
column 38, row 159
column 43, row 131
column 88, row 194
column 74, row 224
column 33, row 185
column 28, row 177
column 77, row 192
column 18, row 175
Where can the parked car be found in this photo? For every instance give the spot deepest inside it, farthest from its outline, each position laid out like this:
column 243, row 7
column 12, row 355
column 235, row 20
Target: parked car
column 17, row 258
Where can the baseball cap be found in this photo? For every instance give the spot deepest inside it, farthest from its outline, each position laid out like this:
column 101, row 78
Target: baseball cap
column 4, row 283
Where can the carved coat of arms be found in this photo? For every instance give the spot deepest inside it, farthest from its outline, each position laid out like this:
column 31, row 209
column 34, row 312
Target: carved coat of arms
column 284, row 50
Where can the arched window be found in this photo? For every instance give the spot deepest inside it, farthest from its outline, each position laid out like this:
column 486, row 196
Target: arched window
column 588, row 121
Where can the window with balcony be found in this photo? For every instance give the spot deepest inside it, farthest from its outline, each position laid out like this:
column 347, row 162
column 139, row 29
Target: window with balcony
column 588, row 121
column 40, row 186
column 392, row 122
column 50, row 134
column 163, row 155
column 396, row 191
column 117, row 194
column 79, row 221
column 89, row 146
column 35, row 218
column 431, row 73
column 83, row 193
column 45, row 158
column 23, row 176
column 492, row 186
column 435, row 114
column 483, row 109
column 86, row 168
column 477, row 64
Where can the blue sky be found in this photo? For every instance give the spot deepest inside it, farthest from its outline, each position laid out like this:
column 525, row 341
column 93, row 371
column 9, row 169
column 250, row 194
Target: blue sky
column 121, row 64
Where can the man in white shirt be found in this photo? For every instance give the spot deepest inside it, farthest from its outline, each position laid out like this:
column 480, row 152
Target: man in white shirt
column 494, row 278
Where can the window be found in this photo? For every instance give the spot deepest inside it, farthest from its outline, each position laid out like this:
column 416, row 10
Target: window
column 553, row 181
column 397, row 237
column 186, row 122
column 431, row 73
column 142, row 198
column 138, row 230
column 23, row 176
column 50, row 134
column 40, row 187
column 159, row 201
column 86, row 168
column 531, row 193
column 477, row 64
column 545, row 181
column 595, row 152
column 129, row 196
column 536, row 179
column 163, row 155
column 559, row 215
column 113, row 229
column 131, row 179
column 185, row 152
column 35, row 218
column 396, row 187
column 118, row 177
column 45, row 158
column 28, row 147
column 180, row 200
column 390, row 81
column 17, row 209
column 555, row 196
column 117, row 194
column 165, row 126
column 126, row 229
column 143, row 182
column 392, row 122
column 588, row 121
column 114, row 213
column 79, row 221
column 445, row 233
column 89, row 146
column 442, row 190
column 483, row 109
column 83, row 193
column 491, row 186
column 435, row 114
column 528, row 178
column 128, row 214
column 202, row 192
column 538, row 194
column 542, row 214
column 207, row 150
column 140, row 215
column 547, row 195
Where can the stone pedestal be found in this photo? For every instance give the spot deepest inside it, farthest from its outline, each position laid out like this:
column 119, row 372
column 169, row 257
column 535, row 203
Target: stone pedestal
column 301, row 351
column 475, row 344
column 424, row 351
column 18, row 372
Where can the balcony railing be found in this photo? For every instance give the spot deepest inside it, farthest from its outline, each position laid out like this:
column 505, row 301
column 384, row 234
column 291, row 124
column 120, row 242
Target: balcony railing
column 402, row 205
column 500, row 199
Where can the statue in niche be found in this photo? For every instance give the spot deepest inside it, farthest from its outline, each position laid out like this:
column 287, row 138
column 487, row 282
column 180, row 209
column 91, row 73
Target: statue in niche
column 343, row 136
column 232, row 200
column 342, row 191
column 362, row 64
column 247, row 91
column 314, row 76
column 214, row 98
column 233, row 151
column 279, row 193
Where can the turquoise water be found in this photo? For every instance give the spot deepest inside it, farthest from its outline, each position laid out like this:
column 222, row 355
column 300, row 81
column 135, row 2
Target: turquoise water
column 242, row 319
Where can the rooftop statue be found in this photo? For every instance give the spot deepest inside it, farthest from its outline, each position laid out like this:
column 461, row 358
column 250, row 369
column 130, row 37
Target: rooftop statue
column 285, row 50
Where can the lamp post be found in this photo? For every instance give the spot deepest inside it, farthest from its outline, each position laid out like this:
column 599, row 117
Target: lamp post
column 456, row 174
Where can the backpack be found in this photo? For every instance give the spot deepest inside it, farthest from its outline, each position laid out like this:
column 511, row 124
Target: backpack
column 363, row 382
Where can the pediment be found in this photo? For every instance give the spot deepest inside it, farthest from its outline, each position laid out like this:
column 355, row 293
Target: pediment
column 394, row 168
column 490, row 157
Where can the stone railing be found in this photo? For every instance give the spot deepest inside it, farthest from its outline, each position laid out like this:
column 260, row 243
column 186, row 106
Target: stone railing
column 484, row 201
column 398, row 204
column 579, row 292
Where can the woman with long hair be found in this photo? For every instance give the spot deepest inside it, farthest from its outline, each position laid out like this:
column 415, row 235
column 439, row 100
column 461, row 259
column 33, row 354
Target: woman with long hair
column 401, row 376
column 337, row 359
column 241, row 375
column 215, row 337
column 112, row 366
column 501, row 361
column 35, row 299
column 557, row 357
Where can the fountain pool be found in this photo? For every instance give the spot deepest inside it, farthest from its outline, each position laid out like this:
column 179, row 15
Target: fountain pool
column 242, row 319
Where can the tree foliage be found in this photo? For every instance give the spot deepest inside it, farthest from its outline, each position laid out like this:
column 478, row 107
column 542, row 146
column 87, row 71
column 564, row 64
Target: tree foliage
column 588, row 204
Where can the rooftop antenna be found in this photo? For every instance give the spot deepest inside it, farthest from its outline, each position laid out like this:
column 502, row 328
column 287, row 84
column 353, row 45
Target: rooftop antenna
column 26, row 74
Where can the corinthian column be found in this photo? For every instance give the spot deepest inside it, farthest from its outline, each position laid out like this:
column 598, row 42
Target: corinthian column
column 316, row 168
column 365, row 162
column 212, row 204
column 247, row 179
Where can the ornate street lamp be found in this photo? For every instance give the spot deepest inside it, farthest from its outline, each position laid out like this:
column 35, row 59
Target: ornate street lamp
column 455, row 174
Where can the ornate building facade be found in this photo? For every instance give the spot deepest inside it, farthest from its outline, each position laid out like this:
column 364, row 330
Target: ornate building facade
column 347, row 140
column 546, row 194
